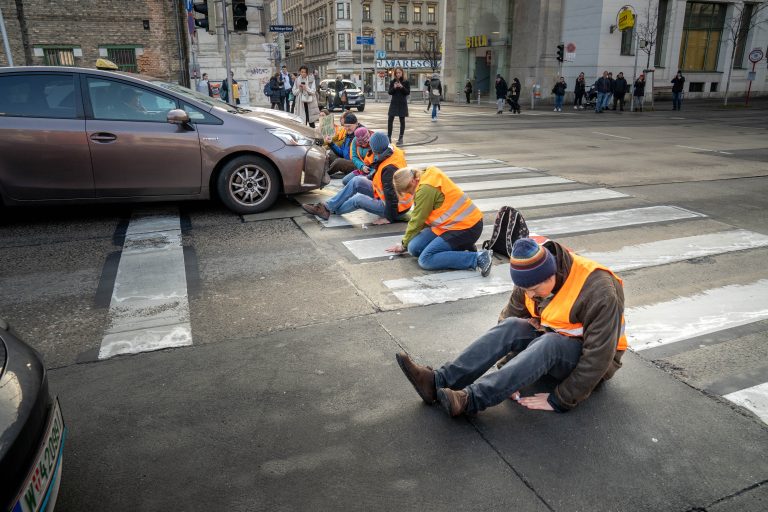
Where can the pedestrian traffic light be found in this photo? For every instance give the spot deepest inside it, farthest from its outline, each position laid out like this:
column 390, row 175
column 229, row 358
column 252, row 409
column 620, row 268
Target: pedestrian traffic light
column 560, row 54
column 203, row 22
column 239, row 19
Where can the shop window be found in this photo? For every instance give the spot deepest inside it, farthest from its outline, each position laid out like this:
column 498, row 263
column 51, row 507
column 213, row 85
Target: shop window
column 702, row 33
column 696, row 87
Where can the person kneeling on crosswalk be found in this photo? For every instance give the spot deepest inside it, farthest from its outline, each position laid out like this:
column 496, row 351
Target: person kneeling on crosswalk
column 454, row 222
column 565, row 319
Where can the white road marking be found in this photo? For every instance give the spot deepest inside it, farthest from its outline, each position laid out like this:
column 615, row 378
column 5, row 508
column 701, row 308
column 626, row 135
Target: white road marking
column 664, row 252
column 488, row 171
column 368, row 248
column 703, row 149
column 467, row 162
column 424, row 150
column 713, row 310
column 512, row 183
column 412, row 159
column 149, row 309
column 612, row 135
column 755, row 399
column 548, row 199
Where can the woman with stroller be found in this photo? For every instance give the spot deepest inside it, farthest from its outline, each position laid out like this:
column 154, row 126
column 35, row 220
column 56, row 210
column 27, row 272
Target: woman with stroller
column 513, row 96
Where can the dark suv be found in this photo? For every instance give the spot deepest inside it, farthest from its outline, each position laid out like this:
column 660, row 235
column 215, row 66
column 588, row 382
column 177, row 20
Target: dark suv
column 76, row 135
column 327, row 95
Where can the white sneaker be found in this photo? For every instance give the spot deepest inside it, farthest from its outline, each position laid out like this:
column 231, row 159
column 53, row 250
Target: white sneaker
column 575, row 107
column 554, row 110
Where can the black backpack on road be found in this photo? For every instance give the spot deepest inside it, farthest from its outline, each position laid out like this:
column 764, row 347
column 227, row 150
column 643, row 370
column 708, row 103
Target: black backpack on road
column 508, row 227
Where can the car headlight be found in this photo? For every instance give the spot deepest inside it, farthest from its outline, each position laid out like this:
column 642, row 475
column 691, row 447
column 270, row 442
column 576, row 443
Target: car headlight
column 290, row 137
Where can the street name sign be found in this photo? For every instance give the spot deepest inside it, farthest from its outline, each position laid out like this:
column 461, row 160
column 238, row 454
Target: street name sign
column 281, row 28
column 368, row 40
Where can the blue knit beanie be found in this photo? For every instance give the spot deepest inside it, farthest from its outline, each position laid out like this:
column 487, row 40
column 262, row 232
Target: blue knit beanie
column 530, row 263
column 378, row 142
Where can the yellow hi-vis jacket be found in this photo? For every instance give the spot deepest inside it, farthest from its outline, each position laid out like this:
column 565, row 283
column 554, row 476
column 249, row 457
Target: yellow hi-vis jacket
column 457, row 211
column 397, row 158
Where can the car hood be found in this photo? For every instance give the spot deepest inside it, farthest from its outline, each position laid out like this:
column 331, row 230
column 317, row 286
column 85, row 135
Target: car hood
column 268, row 116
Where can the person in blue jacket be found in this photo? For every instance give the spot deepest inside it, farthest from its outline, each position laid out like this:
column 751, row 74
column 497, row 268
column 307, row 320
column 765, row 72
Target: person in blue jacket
column 340, row 157
column 360, row 150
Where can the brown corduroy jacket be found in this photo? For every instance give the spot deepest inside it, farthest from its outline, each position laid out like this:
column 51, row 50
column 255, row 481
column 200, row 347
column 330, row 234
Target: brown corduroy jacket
column 599, row 308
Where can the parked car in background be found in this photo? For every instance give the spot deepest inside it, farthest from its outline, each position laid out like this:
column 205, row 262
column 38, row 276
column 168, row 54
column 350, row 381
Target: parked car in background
column 80, row 135
column 327, row 95
column 32, row 431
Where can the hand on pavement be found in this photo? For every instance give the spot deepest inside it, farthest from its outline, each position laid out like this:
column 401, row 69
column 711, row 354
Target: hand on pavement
column 380, row 221
column 397, row 249
column 537, row 402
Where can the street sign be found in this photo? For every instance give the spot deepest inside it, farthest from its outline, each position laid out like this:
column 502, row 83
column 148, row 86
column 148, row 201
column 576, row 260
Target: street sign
column 751, row 75
column 369, row 40
column 381, row 54
column 281, row 28
column 756, row 55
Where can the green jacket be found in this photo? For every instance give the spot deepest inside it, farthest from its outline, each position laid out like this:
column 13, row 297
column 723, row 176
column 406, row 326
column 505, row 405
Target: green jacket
column 426, row 199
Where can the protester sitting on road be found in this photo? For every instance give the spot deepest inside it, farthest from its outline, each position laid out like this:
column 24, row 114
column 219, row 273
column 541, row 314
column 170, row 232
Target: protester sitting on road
column 339, row 157
column 374, row 193
column 359, row 150
column 565, row 318
column 454, row 222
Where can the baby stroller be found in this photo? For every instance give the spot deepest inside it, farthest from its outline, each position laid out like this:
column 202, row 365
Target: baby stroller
column 514, row 106
column 590, row 97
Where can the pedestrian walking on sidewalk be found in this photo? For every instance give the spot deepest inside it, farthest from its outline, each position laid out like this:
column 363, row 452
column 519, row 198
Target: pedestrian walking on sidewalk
column 677, row 90
column 501, row 93
column 468, row 91
column 559, row 91
column 427, row 95
column 399, row 89
column 435, row 95
column 565, row 319
column 639, row 92
column 444, row 223
column 579, row 90
column 513, row 96
column 602, row 85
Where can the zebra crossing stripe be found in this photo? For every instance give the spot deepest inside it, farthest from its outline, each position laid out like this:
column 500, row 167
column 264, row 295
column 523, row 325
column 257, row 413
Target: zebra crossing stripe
column 678, row 249
column 754, row 398
column 711, row 311
column 512, row 183
column 368, row 248
column 487, row 171
column 412, row 159
column 149, row 309
column 466, row 162
column 424, row 151
column 548, row 199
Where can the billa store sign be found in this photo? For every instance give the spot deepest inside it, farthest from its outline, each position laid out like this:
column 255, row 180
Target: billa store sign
column 477, row 41
column 626, row 19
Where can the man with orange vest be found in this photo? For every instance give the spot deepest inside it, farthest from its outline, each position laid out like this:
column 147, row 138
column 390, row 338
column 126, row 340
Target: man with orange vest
column 374, row 193
column 565, row 318
column 454, row 222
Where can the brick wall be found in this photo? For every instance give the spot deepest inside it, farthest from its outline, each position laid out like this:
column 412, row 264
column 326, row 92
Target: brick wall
column 91, row 24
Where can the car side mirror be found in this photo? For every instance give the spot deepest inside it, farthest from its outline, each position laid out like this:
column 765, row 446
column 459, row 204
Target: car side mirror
column 178, row 116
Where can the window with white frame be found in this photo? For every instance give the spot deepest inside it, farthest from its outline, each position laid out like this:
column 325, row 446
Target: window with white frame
column 431, row 14
column 388, row 12
column 403, row 42
column 388, row 42
column 417, row 42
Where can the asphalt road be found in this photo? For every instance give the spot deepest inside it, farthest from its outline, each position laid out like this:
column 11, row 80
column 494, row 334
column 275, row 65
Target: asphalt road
column 287, row 395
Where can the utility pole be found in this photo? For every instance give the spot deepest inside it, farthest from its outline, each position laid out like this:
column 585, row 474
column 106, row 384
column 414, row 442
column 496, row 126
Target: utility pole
column 228, row 59
column 362, row 81
column 634, row 70
column 5, row 40
column 280, row 35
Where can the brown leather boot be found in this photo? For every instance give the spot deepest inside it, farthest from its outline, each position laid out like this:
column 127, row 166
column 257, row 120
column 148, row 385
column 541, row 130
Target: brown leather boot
column 454, row 402
column 422, row 377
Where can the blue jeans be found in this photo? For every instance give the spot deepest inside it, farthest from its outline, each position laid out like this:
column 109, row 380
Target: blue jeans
column 357, row 194
column 677, row 100
column 538, row 354
column 606, row 100
column 348, row 177
column 434, row 253
column 599, row 101
column 559, row 101
column 434, row 110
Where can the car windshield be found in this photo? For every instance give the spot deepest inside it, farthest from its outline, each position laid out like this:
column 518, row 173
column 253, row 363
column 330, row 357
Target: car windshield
column 349, row 85
column 204, row 98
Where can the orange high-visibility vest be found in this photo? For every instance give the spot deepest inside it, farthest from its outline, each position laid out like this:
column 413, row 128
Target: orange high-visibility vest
column 457, row 211
column 557, row 314
column 397, row 158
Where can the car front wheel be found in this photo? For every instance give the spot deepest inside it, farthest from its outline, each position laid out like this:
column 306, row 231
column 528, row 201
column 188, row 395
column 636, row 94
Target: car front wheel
column 248, row 184
column 361, row 108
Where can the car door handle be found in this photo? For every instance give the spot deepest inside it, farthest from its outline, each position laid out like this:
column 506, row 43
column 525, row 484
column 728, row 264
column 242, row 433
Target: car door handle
column 104, row 137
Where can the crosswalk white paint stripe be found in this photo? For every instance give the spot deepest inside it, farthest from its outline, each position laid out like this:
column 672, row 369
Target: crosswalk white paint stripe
column 663, row 252
column 465, row 162
column 149, row 309
column 713, row 310
column 487, row 171
column 512, row 183
column 571, row 225
column 548, row 199
column 412, row 159
column 424, row 151
column 755, row 399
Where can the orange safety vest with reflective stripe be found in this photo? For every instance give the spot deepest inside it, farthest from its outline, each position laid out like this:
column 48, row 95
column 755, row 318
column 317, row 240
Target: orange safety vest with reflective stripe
column 397, row 158
column 557, row 314
column 457, row 211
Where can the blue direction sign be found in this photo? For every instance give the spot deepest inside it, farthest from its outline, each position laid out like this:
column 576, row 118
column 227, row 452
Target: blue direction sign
column 281, row 28
column 369, row 40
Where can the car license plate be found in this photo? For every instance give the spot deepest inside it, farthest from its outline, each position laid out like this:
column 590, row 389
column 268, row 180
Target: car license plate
column 34, row 491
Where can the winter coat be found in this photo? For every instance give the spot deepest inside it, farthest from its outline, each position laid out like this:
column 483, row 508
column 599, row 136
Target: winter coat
column 677, row 84
column 224, row 90
column 501, row 89
column 639, row 88
column 580, row 87
column 514, row 90
column 559, row 88
column 599, row 307
column 314, row 110
column 398, row 107
column 468, row 88
column 603, row 84
column 435, row 84
column 275, row 90
column 619, row 87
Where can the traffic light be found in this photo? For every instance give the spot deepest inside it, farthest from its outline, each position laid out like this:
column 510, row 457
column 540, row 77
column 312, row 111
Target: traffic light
column 560, row 52
column 203, row 22
column 239, row 19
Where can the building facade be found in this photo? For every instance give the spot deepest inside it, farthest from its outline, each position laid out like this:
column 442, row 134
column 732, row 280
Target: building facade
column 148, row 38
column 517, row 38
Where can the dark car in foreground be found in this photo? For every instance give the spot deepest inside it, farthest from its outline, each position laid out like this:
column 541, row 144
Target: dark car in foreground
column 328, row 95
column 32, row 430
column 84, row 135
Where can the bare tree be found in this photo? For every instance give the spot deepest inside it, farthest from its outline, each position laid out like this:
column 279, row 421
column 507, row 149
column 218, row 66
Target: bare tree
column 737, row 29
column 432, row 53
column 647, row 30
